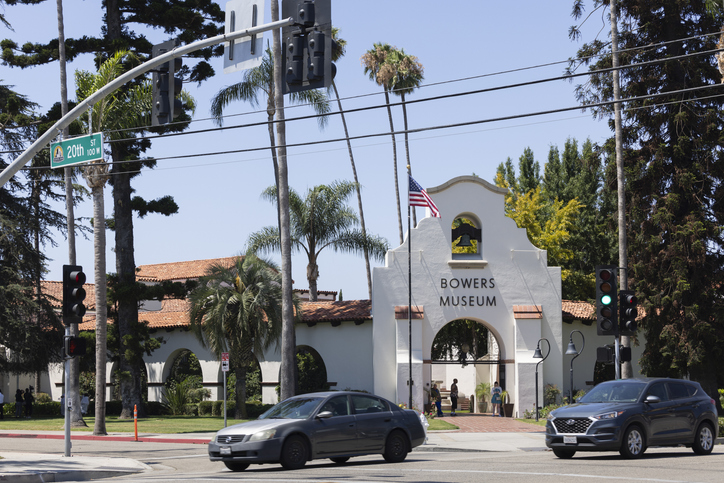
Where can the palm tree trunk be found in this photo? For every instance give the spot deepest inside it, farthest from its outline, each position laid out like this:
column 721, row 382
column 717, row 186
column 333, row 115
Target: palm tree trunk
column 394, row 165
column 359, row 190
column 407, row 151
column 127, row 306
column 99, row 249
column 288, row 382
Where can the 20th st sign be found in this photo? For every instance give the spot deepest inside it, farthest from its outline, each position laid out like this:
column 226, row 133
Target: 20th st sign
column 82, row 149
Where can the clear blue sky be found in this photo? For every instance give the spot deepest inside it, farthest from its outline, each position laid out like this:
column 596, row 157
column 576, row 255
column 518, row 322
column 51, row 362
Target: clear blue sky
column 218, row 196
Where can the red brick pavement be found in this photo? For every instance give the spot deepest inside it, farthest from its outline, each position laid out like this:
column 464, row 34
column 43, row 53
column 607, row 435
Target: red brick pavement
column 486, row 423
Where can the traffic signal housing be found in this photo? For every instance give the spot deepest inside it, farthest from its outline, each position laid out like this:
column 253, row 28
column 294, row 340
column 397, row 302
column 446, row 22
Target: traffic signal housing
column 75, row 346
column 73, row 294
column 606, row 298
column 628, row 312
column 307, row 45
column 166, row 87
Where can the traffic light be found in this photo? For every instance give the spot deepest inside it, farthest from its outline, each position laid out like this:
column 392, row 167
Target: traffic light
column 606, row 295
column 307, row 45
column 628, row 312
column 165, row 86
column 75, row 346
column 73, row 294
column 604, row 354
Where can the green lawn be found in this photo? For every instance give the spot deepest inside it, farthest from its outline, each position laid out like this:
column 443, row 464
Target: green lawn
column 157, row 424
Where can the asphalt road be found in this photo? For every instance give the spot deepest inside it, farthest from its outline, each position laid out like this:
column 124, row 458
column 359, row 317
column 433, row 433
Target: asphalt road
column 186, row 462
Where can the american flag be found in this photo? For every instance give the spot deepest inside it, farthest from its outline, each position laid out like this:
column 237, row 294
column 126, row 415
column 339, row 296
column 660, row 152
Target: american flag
column 419, row 197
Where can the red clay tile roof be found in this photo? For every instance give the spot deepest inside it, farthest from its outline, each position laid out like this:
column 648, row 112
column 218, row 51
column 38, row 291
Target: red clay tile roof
column 181, row 271
column 576, row 310
column 175, row 313
column 55, row 290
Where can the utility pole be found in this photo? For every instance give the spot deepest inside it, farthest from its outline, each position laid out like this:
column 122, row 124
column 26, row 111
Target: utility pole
column 626, row 371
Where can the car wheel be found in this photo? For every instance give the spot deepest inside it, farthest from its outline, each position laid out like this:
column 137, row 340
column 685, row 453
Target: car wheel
column 236, row 466
column 634, row 443
column 704, row 441
column 294, row 453
column 565, row 454
column 340, row 460
column 396, row 447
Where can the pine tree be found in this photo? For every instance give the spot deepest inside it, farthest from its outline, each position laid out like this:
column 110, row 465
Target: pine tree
column 674, row 170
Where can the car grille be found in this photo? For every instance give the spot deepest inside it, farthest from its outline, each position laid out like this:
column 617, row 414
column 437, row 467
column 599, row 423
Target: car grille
column 230, row 439
column 572, row 425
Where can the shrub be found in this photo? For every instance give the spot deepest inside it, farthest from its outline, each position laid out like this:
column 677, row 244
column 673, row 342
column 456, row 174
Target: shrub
column 178, row 396
column 43, row 397
column 551, row 394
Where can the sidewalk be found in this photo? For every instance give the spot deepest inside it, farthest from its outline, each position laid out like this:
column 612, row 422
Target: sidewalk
column 476, row 433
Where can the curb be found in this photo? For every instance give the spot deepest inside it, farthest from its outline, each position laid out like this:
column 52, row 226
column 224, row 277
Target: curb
column 109, row 438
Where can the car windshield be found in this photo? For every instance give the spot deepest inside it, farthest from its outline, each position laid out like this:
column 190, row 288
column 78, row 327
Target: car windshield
column 614, row 391
column 293, row 408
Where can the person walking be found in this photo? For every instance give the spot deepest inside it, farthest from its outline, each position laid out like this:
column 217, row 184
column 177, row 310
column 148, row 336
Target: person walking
column 19, row 403
column 454, row 397
column 2, row 405
column 29, row 399
column 437, row 399
column 496, row 391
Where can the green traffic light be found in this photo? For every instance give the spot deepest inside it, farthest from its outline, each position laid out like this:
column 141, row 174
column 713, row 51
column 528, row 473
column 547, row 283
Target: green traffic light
column 606, row 299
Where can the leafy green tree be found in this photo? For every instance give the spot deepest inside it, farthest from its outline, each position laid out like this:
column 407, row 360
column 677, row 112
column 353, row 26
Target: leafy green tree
column 30, row 330
column 454, row 338
column 674, row 172
column 529, row 172
column 258, row 80
column 373, row 60
column 320, row 220
column 238, row 310
column 403, row 73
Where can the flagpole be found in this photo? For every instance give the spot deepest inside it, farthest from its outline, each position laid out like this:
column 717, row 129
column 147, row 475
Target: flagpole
column 409, row 283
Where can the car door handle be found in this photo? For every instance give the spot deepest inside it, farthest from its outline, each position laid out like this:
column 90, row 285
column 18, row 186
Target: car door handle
column 387, row 420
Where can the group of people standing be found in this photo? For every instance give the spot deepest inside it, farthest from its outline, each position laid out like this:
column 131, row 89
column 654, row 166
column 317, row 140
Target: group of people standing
column 25, row 400
column 437, row 398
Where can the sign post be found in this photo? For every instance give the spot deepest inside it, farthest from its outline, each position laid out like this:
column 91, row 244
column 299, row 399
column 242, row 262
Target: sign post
column 224, row 369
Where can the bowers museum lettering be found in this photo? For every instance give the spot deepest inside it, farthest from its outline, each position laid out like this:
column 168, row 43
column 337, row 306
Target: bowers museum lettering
column 467, row 300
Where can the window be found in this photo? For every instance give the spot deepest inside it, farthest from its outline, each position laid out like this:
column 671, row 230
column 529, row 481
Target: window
column 368, row 404
column 678, row 390
column 659, row 390
column 338, row 406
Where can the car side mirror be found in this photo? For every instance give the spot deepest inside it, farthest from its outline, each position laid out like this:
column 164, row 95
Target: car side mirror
column 325, row 415
column 650, row 399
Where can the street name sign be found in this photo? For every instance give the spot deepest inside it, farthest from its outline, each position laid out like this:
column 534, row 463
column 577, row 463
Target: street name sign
column 82, row 149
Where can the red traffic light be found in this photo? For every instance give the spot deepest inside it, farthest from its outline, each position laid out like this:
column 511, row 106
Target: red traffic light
column 73, row 293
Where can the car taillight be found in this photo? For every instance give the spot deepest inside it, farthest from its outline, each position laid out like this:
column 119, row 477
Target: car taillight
column 713, row 402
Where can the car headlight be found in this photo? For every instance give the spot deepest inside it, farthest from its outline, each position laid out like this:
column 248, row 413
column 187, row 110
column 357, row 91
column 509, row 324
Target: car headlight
column 550, row 417
column 611, row 415
column 263, row 435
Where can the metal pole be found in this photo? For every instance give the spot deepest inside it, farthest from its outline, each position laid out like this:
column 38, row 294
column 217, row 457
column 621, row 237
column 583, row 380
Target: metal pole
column 224, row 373
column 65, row 121
column 409, row 286
column 67, row 400
column 536, row 391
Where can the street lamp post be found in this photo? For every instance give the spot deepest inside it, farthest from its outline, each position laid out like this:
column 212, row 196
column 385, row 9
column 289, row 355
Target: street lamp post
column 575, row 353
column 537, row 355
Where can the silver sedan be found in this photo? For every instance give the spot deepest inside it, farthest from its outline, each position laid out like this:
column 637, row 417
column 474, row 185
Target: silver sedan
column 336, row 425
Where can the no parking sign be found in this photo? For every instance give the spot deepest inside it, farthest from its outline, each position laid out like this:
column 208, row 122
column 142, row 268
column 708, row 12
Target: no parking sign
column 225, row 361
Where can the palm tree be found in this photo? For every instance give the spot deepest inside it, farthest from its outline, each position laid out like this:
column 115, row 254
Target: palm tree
column 338, row 50
column 319, row 221
column 403, row 74
column 124, row 108
column 372, row 61
column 261, row 79
column 238, row 309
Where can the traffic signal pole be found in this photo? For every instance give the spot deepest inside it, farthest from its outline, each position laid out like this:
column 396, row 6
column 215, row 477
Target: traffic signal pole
column 97, row 96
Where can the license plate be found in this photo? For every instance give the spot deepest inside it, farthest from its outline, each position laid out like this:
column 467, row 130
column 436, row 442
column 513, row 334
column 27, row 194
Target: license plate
column 225, row 450
column 569, row 440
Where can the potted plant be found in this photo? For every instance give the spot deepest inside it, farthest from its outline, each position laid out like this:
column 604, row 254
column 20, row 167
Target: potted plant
column 482, row 391
column 505, row 405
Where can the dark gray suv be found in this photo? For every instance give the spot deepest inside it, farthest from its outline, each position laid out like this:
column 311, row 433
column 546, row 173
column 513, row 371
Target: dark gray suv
column 628, row 415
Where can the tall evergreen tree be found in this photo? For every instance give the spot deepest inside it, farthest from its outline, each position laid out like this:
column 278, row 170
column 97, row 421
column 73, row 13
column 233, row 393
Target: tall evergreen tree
column 190, row 20
column 674, row 172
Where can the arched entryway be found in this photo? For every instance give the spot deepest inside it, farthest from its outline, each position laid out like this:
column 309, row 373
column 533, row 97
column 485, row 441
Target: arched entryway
column 469, row 351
